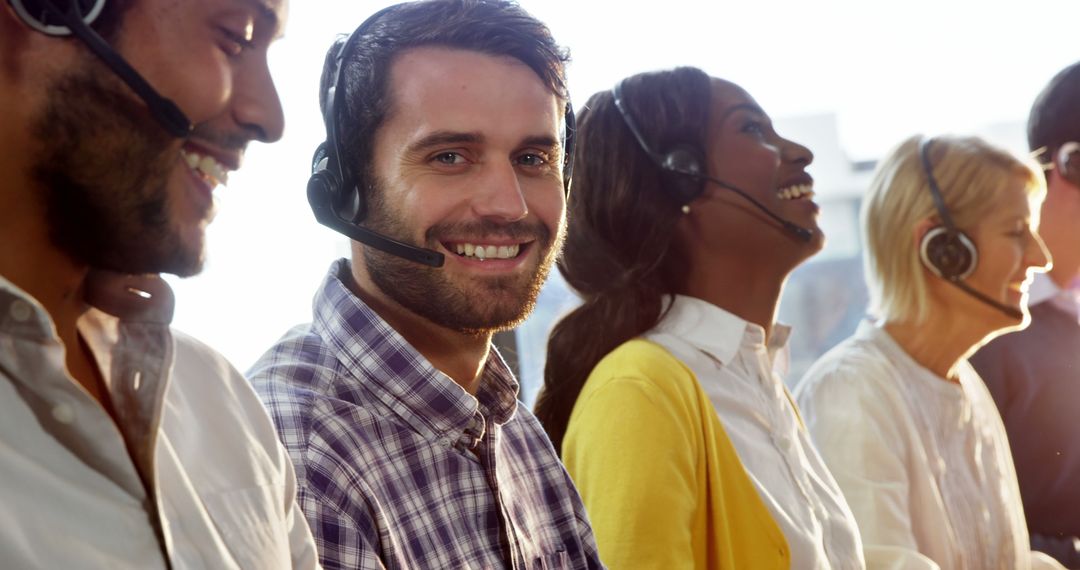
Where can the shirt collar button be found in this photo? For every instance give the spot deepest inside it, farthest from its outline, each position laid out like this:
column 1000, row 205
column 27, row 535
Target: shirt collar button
column 20, row 310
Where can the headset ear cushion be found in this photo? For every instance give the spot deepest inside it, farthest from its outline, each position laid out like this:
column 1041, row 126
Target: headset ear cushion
column 34, row 14
column 328, row 193
column 948, row 254
column 687, row 167
column 1067, row 162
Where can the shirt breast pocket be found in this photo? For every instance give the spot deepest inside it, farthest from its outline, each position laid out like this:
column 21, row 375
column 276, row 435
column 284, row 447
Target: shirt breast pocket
column 251, row 526
column 558, row 560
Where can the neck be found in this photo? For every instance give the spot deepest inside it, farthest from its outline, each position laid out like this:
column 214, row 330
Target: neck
column 939, row 352
column 754, row 295
column 31, row 262
column 459, row 355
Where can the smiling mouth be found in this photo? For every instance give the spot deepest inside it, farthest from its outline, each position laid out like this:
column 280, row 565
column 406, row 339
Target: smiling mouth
column 206, row 167
column 796, row 192
column 483, row 252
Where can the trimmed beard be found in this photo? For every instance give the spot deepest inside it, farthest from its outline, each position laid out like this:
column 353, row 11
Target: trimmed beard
column 490, row 305
column 105, row 165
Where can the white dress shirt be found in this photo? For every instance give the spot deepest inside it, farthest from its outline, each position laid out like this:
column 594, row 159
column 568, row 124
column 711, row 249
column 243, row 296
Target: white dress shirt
column 743, row 378
column 924, row 463
column 220, row 491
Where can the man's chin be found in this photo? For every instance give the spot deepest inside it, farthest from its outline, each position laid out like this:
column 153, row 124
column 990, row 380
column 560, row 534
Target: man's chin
column 482, row 311
column 181, row 262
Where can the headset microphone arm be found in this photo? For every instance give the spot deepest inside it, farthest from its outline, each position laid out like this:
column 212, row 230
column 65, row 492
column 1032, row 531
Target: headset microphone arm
column 325, row 215
column 799, row 231
column 164, row 111
column 1011, row 312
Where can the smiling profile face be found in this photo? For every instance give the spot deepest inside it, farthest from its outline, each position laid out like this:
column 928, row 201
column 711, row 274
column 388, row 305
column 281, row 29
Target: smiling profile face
column 469, row 163
column 1010, row 251
column 745, row 151
column 121, row 193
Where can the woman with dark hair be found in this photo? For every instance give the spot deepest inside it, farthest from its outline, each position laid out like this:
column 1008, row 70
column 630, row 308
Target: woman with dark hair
column 663, row 390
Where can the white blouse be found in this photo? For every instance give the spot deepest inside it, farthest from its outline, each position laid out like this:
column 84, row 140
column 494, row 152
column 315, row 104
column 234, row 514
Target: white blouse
column 742, row 377
column 924, row 463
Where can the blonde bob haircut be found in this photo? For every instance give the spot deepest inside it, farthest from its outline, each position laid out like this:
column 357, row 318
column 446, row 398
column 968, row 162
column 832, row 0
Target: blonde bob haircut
column 971, row 174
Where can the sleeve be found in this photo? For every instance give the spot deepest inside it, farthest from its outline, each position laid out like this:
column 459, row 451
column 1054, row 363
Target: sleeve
column 627, row 450
column 856, row 428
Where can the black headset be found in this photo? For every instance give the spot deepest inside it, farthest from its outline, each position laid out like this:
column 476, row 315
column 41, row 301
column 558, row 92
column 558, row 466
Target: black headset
column 335, row 197
column 73, row 17
column 686, row 162
column 44, row 16
column 948, row 252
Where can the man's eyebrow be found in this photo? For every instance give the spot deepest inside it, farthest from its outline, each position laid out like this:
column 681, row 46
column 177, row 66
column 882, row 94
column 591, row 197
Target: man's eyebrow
column 542, row 141
column 440, row 138
column 742, row 107
column 267, row 15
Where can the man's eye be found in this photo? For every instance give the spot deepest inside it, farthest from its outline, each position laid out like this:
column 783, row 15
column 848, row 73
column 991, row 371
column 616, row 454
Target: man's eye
column 233, row 43
column 532, row 160
column 449, row 158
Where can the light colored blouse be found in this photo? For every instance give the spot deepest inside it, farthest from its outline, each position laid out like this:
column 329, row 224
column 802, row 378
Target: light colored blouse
column 742, row 375
column 924, row 463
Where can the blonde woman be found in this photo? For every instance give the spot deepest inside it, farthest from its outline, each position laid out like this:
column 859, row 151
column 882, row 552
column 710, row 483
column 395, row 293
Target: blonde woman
column 904, row 423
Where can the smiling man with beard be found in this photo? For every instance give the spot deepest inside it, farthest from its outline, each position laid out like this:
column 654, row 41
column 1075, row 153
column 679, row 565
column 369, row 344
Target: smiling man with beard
column 445, row 161
column 126, row 444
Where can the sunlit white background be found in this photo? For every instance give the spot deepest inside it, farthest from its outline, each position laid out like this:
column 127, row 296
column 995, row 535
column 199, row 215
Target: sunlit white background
column 885, row 69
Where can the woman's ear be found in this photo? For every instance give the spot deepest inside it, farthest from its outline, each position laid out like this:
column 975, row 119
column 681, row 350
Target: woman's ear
column 922, row 228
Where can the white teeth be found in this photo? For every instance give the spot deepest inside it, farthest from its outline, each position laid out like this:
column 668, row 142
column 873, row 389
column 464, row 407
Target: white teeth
column 207, row 167
column 796, row 191
column 483, row 252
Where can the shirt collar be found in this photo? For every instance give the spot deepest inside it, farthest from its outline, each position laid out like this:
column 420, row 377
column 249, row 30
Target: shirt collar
column 128, row 298
column 126, row 328
column 719, row 332
column 372, row 352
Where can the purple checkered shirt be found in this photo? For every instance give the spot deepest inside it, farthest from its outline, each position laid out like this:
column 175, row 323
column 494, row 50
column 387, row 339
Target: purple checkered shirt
column 399, row 467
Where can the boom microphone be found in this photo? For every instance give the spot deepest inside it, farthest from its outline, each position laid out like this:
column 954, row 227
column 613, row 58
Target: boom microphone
column 325, row 184
column 1012, row 312
column 166, row 112
column 682, row 159
column 800, row 232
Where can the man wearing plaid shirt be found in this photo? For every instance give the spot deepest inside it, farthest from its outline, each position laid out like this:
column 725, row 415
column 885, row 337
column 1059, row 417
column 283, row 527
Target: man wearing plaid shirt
column 445, row 163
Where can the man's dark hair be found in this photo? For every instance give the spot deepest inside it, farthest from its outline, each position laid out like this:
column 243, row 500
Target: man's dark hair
column 1055, row 115
column 494, row 27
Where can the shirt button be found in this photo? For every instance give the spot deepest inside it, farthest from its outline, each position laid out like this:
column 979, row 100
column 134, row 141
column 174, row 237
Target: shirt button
column 63, row 413
column 20, row 310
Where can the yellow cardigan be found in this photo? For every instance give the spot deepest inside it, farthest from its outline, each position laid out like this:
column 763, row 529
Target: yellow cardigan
column 662, row 483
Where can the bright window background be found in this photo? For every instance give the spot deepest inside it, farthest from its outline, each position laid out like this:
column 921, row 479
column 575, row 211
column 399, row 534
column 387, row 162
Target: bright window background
column 848, row 78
